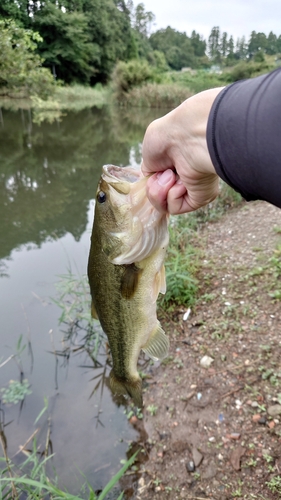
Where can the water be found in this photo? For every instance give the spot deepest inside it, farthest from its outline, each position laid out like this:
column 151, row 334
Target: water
column 48, row 177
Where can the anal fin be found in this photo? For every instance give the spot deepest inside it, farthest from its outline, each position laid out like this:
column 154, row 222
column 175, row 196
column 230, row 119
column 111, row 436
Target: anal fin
column 158, row 344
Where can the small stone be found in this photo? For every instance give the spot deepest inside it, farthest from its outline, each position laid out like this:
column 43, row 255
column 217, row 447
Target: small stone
column 234, row 435
column 235, row 457
column 209, row 472
column 271, row 424
column 164, row 435
column 206, row 361
column 254, row 404
column 256, row 417
column 197, row 457
column 190, row 466
column 220, row 456
column 262, row 421
column 274, row 410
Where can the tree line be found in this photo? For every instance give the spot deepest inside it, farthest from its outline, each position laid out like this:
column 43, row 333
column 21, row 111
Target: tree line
column 82, row 40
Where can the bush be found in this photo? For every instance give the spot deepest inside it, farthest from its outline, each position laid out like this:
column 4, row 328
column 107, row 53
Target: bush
column 244, row 70
column 131, row 74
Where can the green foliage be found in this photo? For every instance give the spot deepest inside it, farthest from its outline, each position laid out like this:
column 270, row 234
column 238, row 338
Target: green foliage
column 36, row 484
column 274, row 484
column 21, row 68
column 15, row 392
column 129, row 75
column 249, row 69
column 181, row 266
column 66, row 44
column 177, row 47
column 197, row 81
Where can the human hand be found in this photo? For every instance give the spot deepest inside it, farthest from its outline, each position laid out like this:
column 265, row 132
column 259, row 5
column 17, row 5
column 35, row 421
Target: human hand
column 175, row 151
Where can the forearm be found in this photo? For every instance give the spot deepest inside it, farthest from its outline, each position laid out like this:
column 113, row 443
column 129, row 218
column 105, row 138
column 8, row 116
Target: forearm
column 244, row 137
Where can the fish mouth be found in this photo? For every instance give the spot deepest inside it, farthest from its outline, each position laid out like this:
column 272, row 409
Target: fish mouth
column 121, row 174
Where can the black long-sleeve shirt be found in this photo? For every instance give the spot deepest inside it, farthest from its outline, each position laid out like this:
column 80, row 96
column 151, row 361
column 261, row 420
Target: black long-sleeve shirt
column 244, row 137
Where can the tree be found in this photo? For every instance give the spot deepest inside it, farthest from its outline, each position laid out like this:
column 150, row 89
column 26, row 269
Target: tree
column 224, row 44
column 198, row 43
column 66, row 46
column 241, row 48
column 176, row 46
column 271, row 44
column 20, row 67
column 110, row 30
column 214, row 44
column 257, row 42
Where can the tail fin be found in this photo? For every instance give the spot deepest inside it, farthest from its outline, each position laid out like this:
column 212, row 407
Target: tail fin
column 132, row 388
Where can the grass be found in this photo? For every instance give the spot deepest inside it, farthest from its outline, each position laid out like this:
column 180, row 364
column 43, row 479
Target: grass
column 156, row 95
column 73, row 298
column 35, row 483
column 184, row 253
column 65, row 98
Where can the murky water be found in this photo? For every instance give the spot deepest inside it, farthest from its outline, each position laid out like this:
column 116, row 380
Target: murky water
column 48, row 177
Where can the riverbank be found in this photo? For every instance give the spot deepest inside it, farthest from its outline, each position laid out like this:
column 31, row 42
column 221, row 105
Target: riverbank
column 215, row 428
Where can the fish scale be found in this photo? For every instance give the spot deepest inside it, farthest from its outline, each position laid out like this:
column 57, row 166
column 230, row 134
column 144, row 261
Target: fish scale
column 126, row 273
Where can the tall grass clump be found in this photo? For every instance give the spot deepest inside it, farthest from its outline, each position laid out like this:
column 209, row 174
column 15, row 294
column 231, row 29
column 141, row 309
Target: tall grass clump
column 128, row 75
column 155, row 95
column 181, row 265
column 77, row 97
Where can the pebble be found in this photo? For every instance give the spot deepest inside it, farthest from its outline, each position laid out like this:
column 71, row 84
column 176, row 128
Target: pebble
column 262, row 421
column 190, row 466
column 197, row 457
column 209, row 472
column 274, row 410
column 206, row 361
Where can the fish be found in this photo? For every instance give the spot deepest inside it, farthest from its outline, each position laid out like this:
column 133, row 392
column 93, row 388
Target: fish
column 126, row 274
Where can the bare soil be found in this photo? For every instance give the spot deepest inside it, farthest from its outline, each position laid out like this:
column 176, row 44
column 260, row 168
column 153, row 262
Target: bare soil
column 215, row 432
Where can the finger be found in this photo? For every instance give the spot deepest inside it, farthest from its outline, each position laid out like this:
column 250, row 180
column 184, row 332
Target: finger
column 158, row 186
column 178, row 200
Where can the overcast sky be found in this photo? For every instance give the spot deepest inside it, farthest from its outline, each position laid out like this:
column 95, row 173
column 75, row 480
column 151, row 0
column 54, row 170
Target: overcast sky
column 236, row 17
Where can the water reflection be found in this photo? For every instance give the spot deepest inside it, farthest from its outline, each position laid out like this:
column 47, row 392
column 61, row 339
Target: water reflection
column 48, row 172
column 48, row 175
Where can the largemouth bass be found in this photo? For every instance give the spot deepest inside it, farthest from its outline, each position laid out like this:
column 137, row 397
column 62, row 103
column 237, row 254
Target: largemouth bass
column 126, row 273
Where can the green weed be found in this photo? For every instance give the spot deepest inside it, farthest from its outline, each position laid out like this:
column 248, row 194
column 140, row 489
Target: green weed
column 152, row 409
column 16, row 391
column 274, row 484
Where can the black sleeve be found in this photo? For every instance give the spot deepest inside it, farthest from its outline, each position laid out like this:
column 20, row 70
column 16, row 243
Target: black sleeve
column 244, row 137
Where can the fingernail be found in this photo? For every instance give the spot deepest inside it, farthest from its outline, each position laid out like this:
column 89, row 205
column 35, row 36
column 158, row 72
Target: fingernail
column 164, row 178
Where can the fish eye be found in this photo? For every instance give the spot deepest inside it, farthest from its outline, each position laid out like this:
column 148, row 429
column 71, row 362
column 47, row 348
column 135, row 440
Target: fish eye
column 101, row 197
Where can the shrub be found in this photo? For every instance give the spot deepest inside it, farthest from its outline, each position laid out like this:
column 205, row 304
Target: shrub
column 131, row 74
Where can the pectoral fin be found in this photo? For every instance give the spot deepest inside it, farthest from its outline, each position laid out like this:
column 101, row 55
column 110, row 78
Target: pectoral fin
column 157, row 346
column 94, row 313
column 159, row 285
column 130, row 280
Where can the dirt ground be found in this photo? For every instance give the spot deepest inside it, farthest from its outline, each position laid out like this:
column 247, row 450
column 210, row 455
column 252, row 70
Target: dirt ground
column 215, row 432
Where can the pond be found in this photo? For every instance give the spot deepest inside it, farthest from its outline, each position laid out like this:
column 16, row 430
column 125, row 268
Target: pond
column 48, row 176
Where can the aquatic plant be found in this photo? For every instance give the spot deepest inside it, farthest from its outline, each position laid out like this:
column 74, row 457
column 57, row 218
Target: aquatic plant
column 15, row 392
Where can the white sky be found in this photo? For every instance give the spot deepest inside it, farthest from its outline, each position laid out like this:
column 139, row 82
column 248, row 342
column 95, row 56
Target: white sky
column 236, row 17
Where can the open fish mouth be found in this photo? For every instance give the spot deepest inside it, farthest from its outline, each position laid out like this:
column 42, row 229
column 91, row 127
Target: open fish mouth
column 127, row 174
